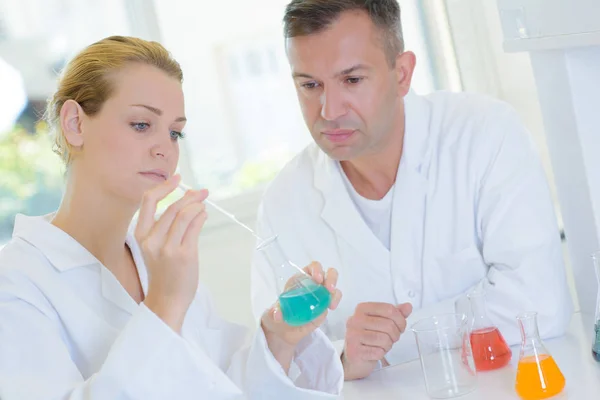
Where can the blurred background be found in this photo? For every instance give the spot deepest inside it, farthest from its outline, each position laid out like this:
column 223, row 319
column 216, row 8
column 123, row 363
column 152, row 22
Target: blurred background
column 244, row 120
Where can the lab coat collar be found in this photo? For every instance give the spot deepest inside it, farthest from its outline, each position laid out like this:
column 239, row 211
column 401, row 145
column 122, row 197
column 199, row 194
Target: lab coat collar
column 409, row 198
column 416, row 133
column 65, row 253
column 56, row 245
column 340, row 212
column 62, row 250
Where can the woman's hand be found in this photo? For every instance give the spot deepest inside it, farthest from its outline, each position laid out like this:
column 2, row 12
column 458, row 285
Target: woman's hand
column 169, row 246
column 283, row 338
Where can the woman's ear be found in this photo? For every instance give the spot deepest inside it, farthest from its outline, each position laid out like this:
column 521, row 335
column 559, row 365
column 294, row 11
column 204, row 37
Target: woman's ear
column 71, row 118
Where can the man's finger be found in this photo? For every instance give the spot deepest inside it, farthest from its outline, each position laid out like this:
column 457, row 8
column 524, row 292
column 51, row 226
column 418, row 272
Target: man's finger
column 371, row 353
column 378, row 324
column 376, row 339
column 383, row 310
column 406, row 309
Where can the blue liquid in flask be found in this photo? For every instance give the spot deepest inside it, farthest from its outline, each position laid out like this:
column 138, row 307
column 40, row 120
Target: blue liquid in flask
column 596, row 347
column 304, row 303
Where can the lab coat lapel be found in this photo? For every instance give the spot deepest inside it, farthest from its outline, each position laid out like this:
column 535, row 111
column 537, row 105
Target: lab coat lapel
column 408, row 213
column 113, row 291
column 340, row 213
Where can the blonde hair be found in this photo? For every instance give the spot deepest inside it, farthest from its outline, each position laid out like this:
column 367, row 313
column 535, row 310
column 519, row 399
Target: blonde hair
column 86, row 79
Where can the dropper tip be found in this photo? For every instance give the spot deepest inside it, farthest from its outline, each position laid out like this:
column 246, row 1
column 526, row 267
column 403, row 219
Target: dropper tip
column 183, row 187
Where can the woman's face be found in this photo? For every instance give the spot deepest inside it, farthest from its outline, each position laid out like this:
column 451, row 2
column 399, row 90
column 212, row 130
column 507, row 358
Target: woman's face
column 132, row 143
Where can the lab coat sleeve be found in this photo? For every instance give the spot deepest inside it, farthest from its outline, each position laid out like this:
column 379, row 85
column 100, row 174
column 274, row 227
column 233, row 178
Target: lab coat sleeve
column 147, row 360
column 520, row 241
column 320, row 373
column 316, row 371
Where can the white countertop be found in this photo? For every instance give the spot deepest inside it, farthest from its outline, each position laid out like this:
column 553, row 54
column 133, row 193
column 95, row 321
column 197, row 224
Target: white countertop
column 572, row 352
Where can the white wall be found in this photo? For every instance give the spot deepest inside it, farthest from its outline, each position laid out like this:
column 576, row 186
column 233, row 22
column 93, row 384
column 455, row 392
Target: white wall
column 569, row 86
column 486, row 68
column 225, row 253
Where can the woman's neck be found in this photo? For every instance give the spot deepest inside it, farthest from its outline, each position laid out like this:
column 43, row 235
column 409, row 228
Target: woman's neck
column 96, row 220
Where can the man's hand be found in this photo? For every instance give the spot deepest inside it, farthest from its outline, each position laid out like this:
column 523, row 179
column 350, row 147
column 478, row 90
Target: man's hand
column 370, row 334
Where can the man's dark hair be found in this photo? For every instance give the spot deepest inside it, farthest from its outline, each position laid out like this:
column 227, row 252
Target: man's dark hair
column 307, row 17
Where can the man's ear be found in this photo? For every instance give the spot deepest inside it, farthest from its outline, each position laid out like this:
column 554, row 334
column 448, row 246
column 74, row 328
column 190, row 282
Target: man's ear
column 405, row 67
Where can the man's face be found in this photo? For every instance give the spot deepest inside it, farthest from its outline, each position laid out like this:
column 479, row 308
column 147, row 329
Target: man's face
column 349, row 93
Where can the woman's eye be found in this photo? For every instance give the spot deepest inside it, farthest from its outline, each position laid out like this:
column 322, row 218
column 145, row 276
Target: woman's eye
column 140, row 126
column 175, row 135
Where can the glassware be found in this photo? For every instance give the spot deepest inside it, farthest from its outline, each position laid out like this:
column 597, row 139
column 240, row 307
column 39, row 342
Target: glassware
column 445, row 354
column 596, row 344
column 302, row 299
column 538, row 375
column 183, row 187
column 490, row 350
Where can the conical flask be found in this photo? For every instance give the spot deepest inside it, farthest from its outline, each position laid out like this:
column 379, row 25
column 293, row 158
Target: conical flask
column 596, row 344
column 490, row 350
column 301, row 299
column 538, row 375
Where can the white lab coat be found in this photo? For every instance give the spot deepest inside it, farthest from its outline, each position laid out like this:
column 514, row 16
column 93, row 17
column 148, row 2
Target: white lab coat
column 471, row 207
column 69, row 330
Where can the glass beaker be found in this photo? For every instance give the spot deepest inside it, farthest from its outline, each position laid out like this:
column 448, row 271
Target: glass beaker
column 596, row 344
column 490, row 350
column 538, row 375
column 446, row 356
column 302, row 299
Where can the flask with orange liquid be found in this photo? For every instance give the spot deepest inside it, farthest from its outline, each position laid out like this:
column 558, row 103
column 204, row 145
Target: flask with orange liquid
column 538, row 376
column 490, row 350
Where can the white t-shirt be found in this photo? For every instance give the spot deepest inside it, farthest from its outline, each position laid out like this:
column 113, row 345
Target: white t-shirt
column 377, row 214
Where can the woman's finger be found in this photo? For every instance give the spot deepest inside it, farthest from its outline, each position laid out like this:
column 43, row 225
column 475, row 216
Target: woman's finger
column 315, row 270
column 181, row 223
column 149, row 203
column 335, row 299
column 190, row 238
column 162, row 227
column 331, row 279
column 320, row 319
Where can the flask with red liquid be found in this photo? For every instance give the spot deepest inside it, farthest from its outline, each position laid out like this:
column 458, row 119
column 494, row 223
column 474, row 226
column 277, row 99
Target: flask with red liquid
column 490, row 350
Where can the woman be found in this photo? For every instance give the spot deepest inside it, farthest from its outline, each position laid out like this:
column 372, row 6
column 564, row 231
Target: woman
column 91, row 309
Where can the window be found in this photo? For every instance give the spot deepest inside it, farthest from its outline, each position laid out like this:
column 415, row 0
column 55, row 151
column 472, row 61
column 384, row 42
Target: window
column 36, row 37
column 244, row 118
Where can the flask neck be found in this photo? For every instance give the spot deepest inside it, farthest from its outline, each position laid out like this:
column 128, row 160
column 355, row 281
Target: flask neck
column 479, row 314
column 530, row 335
column 596, row 260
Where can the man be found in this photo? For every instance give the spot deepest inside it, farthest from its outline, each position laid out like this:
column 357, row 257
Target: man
column 415, row 200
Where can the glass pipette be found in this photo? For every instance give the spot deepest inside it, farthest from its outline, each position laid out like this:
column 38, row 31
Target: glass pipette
column 185, row 188
column 262, row 242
